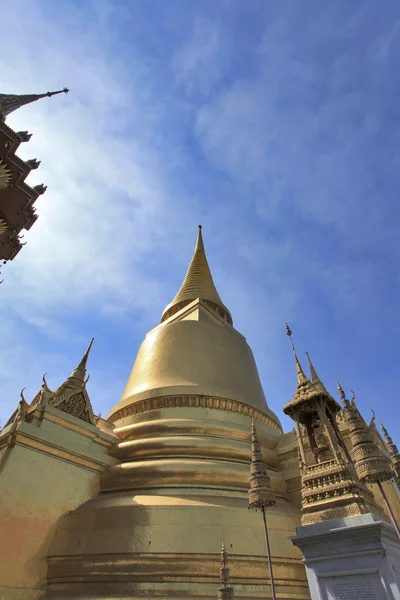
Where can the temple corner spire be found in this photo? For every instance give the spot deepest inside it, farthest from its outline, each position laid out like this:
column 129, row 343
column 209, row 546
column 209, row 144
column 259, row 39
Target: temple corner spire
column 11, row 102
column 301, row 376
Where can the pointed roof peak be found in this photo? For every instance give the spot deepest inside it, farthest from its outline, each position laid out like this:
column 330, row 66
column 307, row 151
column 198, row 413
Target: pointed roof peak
column 384, row 430
column 199, row 242
column 301, row 376
column 198, row 283
column 80, row 370
column 78, row 375
column 11, row 102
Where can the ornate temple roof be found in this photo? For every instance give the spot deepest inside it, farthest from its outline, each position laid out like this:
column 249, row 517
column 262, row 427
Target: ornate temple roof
column 307, row 390
column 198, row 283
column 16, row 197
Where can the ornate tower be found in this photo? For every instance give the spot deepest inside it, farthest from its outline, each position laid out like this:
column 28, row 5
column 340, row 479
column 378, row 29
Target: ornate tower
column 331, row 488
column 183, row 469
column 225, row 592
column 16, row 197
column 393, row 452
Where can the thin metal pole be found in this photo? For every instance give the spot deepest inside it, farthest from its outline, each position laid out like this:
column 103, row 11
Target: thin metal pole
column 271, row 574
column 392, row 517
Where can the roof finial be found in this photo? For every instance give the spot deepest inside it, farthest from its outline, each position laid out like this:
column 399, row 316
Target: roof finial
column 198, row 284
column 301, row 376
column 80, row 370
column 314, row 375
column 11, row 102
column 341, row 390
column 384, row 430
column 22, row 394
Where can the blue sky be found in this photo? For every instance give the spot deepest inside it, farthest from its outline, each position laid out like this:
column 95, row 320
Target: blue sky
column 274, row 125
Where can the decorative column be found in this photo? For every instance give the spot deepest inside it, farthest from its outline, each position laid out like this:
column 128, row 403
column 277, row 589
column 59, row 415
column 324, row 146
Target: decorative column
column 261, row 494
column 225, row 592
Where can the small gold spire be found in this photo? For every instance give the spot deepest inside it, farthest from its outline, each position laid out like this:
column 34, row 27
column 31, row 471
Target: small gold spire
column 341, row 390
column 314, row 376
column 384, row 430
column 301, row 376
column 261, row 494
column 78, row 375
column 80, row 370
column 22, row 394
column 198, row 283
column 225, row 592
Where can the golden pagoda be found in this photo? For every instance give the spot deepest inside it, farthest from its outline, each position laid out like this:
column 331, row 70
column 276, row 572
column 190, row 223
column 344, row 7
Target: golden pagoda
column 182, row 469
column 133, row 506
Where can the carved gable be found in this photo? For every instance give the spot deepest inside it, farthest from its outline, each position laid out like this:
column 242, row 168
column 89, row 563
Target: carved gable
column 78, row 405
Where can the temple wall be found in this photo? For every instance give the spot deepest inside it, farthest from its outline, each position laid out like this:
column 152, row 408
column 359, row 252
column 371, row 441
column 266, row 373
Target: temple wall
column 48, row 467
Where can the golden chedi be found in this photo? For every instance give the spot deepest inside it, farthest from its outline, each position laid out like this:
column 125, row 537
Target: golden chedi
column 183, row 470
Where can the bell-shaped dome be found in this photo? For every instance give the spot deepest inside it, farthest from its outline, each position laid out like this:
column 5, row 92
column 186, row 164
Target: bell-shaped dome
column 195, row 351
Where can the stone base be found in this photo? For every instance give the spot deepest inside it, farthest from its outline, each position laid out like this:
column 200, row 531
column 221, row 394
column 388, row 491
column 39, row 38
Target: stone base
column 356, row 558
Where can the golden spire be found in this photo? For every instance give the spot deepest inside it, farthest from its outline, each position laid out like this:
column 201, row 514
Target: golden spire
column 80, row 371
column 11, row 102
column 77, row 377
column 314, row 377
column 385, row 433
column 198, row 283
column 225, row 592
column 341, row 390
column 261, row 494
column 301, row 376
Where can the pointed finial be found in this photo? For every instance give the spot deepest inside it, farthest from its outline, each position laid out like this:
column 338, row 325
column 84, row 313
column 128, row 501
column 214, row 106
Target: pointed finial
column 199, row 241
column 11, row 102
column 198, row 284
column 22, row 394
column 314, row 376
column 85, row 357
column 261, row 494
column 384, row 430
column 341, row 390
column 353, row 398
column 80, row 371
column 224, row 592
column 301, row 376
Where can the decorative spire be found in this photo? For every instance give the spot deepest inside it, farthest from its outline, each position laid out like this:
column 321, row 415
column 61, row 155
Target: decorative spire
column 225, row 592
column 261, row 494
column 301, row 376
column 77, row 378
column 314, row 377
column 80, row 371
column 11, row 102
column 198, row 283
